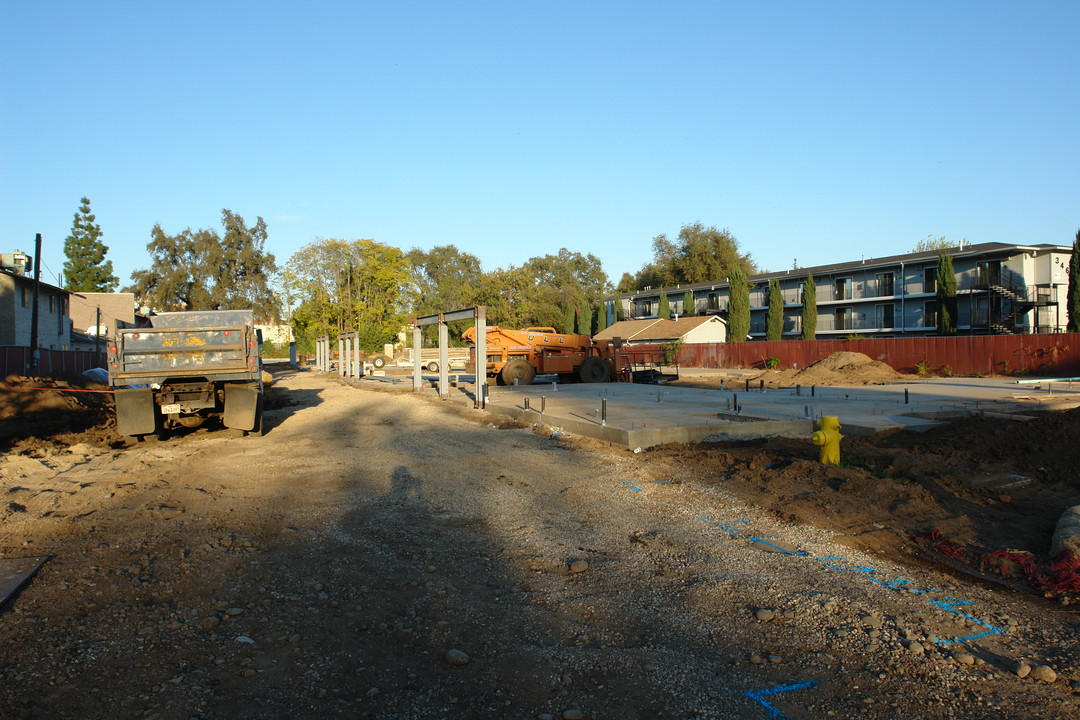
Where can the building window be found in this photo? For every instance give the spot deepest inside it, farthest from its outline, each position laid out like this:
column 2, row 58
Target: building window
column 843, row 319
column 25, row 294
column 52, row 303
column 713, row 301
column 884, row 283
column 980, row 312
column 842, row 289
column 885, row 316
column 930, row 314
column 929, row 283
column 644, row 307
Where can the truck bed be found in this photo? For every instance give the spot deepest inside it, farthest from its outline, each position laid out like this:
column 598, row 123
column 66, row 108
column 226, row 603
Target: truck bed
column 218, row 345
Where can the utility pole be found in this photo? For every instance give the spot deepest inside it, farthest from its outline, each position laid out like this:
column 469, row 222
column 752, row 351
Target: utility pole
column 35, row 355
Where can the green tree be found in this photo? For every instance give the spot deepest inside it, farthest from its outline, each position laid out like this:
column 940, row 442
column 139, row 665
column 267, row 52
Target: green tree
column 664, row 310
column 1072, row 304
column 774, row 317
column 86, row 269
column 689, row 309
column 204, row 270
column 538, row 292
column 601, row 317
column 585, row 318
column 931, row 243
column 444, row 279
column 568, row 319
column 738, row 306
column 357, row 286
column 701, row 254
column 946, row 293
column 809, row 309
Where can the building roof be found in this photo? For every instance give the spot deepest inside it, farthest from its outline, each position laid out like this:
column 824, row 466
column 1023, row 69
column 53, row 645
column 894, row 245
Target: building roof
column 980, row 249
column 654, row 329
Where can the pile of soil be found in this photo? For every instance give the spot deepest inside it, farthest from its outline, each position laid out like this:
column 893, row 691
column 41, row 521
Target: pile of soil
column 981, row 496
column 39, row 413
column 840, row 368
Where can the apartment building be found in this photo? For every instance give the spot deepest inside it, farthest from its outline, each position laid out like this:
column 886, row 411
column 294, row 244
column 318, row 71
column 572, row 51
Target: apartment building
column 16, row 313
column 1001, row 289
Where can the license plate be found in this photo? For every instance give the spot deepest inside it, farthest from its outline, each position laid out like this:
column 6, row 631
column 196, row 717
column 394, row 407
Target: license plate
column 170, row 409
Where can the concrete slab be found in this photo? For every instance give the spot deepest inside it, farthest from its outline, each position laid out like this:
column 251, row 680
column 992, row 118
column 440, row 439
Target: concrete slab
column 16, row 572
column 646, row 415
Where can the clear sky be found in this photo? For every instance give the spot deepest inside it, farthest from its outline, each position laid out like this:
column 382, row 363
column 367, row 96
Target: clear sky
column 816, row 131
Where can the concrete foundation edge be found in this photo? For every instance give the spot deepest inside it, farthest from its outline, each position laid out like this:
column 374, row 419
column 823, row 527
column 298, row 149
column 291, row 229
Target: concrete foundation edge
column 650, row 437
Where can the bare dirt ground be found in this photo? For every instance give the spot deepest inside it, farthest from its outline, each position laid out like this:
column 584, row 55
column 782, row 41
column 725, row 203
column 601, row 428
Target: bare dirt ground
column 384, row 555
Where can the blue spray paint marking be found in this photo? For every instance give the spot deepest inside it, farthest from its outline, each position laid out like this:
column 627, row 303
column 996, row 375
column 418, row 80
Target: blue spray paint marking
column 951, row 604
column 662, row 482
column 760, row 695
column 633, row 487
column 831, row 561
column 800, row 553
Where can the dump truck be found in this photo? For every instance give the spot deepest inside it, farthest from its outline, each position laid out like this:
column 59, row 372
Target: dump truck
column 185, row 369
column 521, row 355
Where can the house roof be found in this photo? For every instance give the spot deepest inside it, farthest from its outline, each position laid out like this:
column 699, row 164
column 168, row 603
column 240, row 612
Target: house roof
column 654, row 329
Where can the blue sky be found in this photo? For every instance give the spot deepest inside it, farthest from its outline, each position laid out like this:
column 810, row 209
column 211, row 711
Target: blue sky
column 813, row 131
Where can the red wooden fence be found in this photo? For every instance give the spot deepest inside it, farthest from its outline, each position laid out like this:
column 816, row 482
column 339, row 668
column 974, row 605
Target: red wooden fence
column 1055, row 355
column 16, row 361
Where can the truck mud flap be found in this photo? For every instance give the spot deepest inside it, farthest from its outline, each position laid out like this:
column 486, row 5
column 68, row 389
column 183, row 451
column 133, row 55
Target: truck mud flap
column 136, row 413
column 241, row 406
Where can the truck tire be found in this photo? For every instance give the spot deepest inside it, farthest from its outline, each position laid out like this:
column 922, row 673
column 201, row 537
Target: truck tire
column 594, row 370
column 379, row 362
column 433, row 366
column 518, row 369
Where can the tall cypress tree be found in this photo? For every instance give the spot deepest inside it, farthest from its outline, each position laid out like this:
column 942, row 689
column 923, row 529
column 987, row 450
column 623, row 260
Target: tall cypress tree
column 774, row 317
column 568, row 319
column 601, row 317
column 689, row 309
column 664, row 312
column 1072, row 305
column 946, row 292
column 738, row 306
column 809, row 309
column 86, row 269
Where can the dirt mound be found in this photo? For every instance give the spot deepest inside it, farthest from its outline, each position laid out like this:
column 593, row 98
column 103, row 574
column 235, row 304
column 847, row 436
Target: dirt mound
column 847, row 368
column 43, row 412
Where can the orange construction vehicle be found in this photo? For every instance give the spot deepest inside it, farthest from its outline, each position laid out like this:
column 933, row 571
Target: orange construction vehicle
column 521, row 355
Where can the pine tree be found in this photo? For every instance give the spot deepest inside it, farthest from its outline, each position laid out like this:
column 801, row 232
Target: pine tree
column 1072, row 305
column 689, row 309
column 809, row 309
column 946, row 291
column 664, row 313
column 86, row 269
column 738, row 306
column 774, row 317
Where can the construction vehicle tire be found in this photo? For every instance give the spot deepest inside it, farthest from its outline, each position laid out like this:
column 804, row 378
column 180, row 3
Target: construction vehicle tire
column 379, row 361
column 518, row 369
column 594, row 370
column 433, row 366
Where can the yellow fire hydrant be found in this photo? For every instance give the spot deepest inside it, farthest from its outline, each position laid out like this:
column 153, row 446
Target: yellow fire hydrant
column 828, row 438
